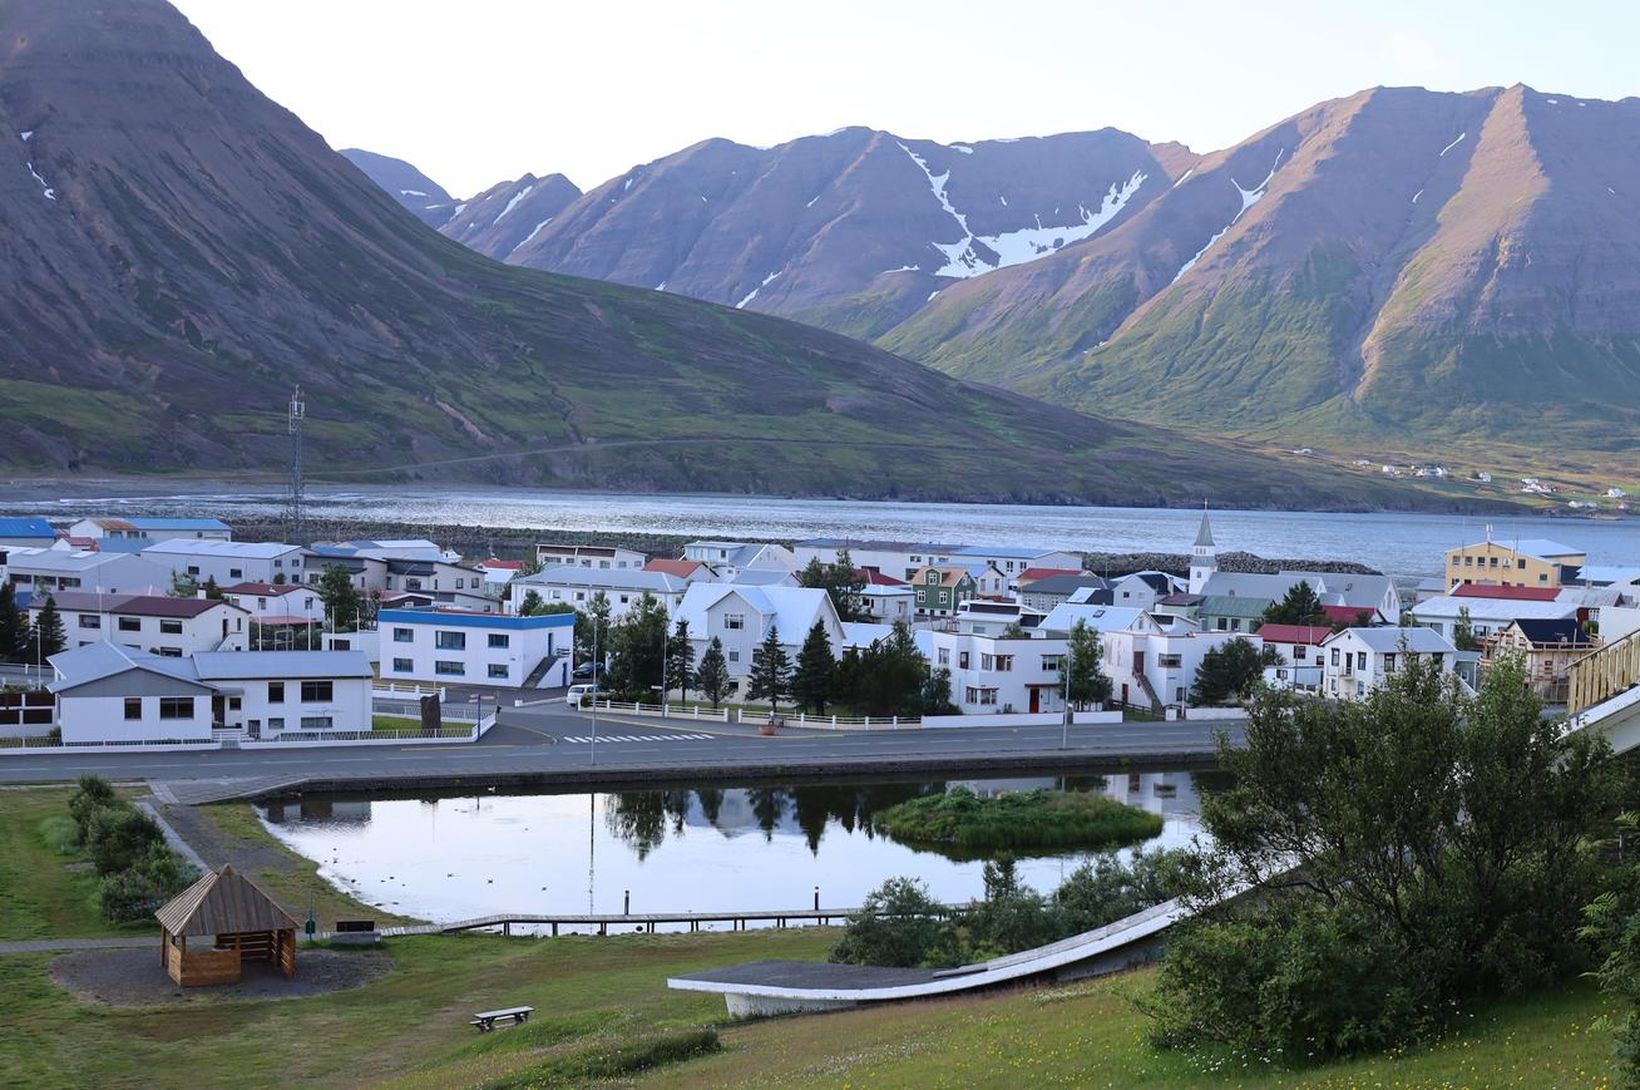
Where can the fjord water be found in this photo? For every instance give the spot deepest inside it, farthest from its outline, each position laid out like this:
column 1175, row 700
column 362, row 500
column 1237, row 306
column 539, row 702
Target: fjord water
column 1405, row 546
column 676, row 849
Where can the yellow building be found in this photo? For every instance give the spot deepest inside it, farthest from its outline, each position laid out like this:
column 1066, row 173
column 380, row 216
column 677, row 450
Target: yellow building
column 1531, row 563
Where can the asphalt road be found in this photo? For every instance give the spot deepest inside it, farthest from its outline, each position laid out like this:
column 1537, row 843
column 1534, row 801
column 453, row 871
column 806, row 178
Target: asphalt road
column 552, row 744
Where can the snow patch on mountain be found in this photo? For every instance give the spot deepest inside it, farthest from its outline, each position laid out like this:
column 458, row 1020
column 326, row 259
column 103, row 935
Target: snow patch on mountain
column 46, row 191
column 1452, row 145
column 24, row 136
column 536, row 230
column 412, row 193
column 520, row 195
column 767, row 280
column 1249, row 197
column 460, row 208
column 1416, row 195
column 963, row 148
column 1183, row 177
column 812, row 200
column 1003, row 199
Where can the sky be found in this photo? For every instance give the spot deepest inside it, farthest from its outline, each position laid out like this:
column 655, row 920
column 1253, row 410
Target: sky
column 481, row 91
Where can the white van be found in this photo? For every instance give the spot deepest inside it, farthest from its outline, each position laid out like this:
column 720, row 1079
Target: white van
column 578, row 692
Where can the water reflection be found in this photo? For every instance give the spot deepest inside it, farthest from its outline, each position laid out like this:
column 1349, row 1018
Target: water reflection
column 764, row 846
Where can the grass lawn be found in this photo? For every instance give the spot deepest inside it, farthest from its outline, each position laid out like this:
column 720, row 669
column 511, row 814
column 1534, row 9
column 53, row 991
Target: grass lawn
column 394, row 722
column 408, row 1031
column 44, row 894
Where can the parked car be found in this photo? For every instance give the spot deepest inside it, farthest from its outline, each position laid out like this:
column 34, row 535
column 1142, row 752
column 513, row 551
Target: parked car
column 577, row 693
column 583, row 670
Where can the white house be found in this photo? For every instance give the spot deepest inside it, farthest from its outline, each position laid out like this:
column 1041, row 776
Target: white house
column 46, row 571
column 150, row 530
column 1154, row 667
column 1062, row 618
column 109, row 693
column 452, row 585
column 576, row 586
column 989, row 582
column 1298, row 647
column 741, row 617
column 1140, row 589
column 454, row 647
column 732, row 558
column 279, row 603
column 991, row 675
column 900, row 559
column 603, row 557
column 888, row 603
column 1359, row 660
column 983, row 618
column 1012, row 560
column 157, row 623
column 1487, row 616
column 228, row 562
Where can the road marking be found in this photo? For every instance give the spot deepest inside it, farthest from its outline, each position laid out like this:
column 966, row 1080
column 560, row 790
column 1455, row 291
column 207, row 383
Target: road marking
column 586, row 739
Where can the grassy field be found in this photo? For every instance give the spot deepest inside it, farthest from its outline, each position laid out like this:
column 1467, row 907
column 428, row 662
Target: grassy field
column 43, row 893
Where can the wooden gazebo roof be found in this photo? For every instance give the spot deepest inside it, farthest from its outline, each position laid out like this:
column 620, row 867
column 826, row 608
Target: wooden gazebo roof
column 223, row 901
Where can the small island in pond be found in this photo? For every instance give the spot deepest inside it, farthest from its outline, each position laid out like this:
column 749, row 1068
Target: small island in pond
column 959, row 821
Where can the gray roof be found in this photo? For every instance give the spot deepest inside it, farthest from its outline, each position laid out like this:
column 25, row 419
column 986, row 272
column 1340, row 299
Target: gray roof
column 1448, row 606
column 570, row 575
column 96, row 661
column 1204, row 533
column 229, row 550
column 221, row 902
column 1389, row 639
column 1234, row 605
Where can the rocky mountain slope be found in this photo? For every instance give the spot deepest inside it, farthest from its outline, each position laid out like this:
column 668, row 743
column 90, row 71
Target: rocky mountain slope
column 424, row 198
column 511, row 215
column 179, row 251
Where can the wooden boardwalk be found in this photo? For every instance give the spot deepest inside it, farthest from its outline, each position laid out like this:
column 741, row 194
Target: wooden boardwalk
column 636, row 921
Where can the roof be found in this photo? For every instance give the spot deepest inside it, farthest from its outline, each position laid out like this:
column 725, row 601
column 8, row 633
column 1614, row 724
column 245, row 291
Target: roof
column 876, row 545
column 31, row 558
column 1350, row 615
column 1011, row 552
column 874, row 577
column 1233, row 605
column 232, row 550
column 765, row 577
column 1066, row 583
column 1294, row 633
column 1089, row 595
column 1347, row 588
column 1031, row 575
column 135, row 605
column 570, row 575
column 161, row 524
column 1388, row 639
column 1539, row 547
column 949, row 576
column 96, row 661
column 25, row 526
column 1158, row 581
column 1494, row 610
column 1181, row 598
column 1105, row 618
column 1520, row 594
column 792, row 609
column 1255, row 584
column 681, row 569
column 582, row 550
column 1604, row 573
column 1544, row 632
column 501, row 565
column 233, row 665
column 1204, row 534
column 223, row 901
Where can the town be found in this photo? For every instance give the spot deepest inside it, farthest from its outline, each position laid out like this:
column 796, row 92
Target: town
column 152, row 632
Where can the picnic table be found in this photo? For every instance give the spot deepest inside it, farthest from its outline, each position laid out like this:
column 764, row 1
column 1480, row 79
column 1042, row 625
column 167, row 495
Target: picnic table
column 486, row 1020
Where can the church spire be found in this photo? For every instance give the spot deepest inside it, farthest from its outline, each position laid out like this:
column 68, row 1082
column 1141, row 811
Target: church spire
column 1204, row 556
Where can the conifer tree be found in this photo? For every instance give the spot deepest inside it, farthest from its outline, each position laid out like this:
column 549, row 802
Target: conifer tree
column 770, row 677
column 816, row 666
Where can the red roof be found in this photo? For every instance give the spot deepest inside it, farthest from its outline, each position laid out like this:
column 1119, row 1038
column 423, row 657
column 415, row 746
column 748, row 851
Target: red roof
column 682, row 569
column 1031, row 575
column 1517, row 594
column 1350, row 614
column 874, row 577
column 503, row 565
column 1311, row 634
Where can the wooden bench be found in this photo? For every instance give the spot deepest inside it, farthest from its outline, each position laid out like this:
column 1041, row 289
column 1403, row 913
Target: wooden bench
column 486, row 1020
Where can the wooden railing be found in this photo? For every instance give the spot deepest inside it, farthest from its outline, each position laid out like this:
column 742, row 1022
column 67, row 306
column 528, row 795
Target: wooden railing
column 1601, row 675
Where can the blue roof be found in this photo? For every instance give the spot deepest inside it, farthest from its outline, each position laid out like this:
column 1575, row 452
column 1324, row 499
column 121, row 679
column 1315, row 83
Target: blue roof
column 26, row 526
column 458, row 619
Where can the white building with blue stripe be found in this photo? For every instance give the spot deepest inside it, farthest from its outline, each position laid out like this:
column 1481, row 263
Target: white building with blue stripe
column 460, row 647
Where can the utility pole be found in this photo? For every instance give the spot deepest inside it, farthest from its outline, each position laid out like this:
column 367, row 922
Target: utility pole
column 297, row 418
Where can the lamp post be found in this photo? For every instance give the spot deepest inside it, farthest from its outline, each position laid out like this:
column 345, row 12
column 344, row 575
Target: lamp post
column 1065, row 718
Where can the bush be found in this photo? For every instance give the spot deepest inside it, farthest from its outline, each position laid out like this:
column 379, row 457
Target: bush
column 120, row 838
column 963, row 820
column 899, row 925
column 94, row 793
column 1105, row 889
column 135, row 893
column 61, row 834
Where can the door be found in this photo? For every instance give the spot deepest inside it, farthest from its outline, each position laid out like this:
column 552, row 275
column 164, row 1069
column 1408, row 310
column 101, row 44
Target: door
column 1036, row 700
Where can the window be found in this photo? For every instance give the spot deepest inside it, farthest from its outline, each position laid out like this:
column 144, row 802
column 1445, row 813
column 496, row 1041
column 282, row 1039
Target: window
column 1389, row 662
column 1492, row 562
column 317, row 692
column 239, row 573
column 317, row 722
column 412, row 584
column 500, row 639
column 987, row 661
column 276, row 692
column 734, row 656
column 235, row 703
column 168, row 652
column 171, row 627
column 404, row 635
column 90, row 620
column 962, row 660
column 1360, row 660
column 498, row 670
column 261, row 603
column 461, row 582
column 1335, row 656
column 734, row 621
column 945, row 656
column 450, row 641
column 1051, row 663
column 404, row 666
column 1521, row 564
column 176, row 707
column 448, row 668
column 278, row 563
column 1469, row 562
column 130, row 624
column 1005, row 663
column 1300, row 652
column 193, row 569
column 276, row 724
column 1169, row 662
column 932, row 578
column 133, row 707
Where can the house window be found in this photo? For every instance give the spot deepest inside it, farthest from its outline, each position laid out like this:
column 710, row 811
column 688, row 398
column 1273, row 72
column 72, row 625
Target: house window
column 317, row 722
column 317, row 692
column 90, row 620
column 168, row 652
column 1361, row 660
column 193, row 569
column 235, row 703
column 448, row 668
column 170, row 627
column 261, row 603
column 1299, row 652
column 1389, row 663
column 987, row 662
column 962, row 660
column 734, row 655
column 1050, row 663
column 404, row 635
column 239, row 573
column 276, row 724
column 1005, row 663
column 130, row 624
column 450, row 641
column 1169, row 662
column 1335, row 656
column 498, row 670
column 500, row 639
column 945, row 656
column 276, row 692
column 932, row 578
column 1521, row 564
column 133, row 707
column 176, row 707
column 404, row 666
column 734, row 621
column 412, row 584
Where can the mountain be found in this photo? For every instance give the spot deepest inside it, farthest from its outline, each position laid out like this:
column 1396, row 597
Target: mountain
column 852, row 231
column 1400, row 265
column 424, row 198
column 509, row 215
column 179, row 251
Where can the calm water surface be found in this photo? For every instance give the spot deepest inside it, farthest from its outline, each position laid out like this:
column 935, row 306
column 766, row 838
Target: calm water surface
column 675, row 850
column 1402, row 545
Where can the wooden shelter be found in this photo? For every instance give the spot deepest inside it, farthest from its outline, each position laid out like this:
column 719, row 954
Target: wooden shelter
column 242, row 922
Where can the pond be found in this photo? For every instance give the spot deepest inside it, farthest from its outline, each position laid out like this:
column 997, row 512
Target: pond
column 682, row 849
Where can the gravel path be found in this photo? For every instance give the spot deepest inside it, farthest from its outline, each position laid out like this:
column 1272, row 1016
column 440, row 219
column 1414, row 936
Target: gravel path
column 135, row 978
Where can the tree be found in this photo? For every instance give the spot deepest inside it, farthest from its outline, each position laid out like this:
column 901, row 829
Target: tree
column 1085, row 680
column 1463, row 632
column 712, row 675
column 1227, row 672
column 592, row 626
column 936, row 693
column 898, row 925
column 1301, row 605
column 816, row 666
column 888, row 676
column 531, row 603
column 14, row 633
column 770, row 677
column 279, row 579
column 680, row 661
column 841, row 581
column 1013, row 631
column 341, row 598
column 183, row 585
column 47, row 637
column 637, row 649
column 1404, row 855
column 212, row 591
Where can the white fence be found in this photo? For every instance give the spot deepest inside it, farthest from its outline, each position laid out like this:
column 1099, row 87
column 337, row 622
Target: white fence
column 756, row 717
column 1022, row 719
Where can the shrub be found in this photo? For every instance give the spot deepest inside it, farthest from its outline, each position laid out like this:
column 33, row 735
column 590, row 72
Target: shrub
column 94, row 793
column 964, row 821
column 1105, row 889
column 61, row 834
column 135, row 893
column 898, row 925
column 121, row 837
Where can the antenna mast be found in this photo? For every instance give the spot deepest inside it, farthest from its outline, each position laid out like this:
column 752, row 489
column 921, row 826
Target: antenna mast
column 297, row 517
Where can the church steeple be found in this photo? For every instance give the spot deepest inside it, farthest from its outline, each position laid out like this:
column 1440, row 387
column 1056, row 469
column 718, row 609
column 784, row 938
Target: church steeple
column 1204, row 556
